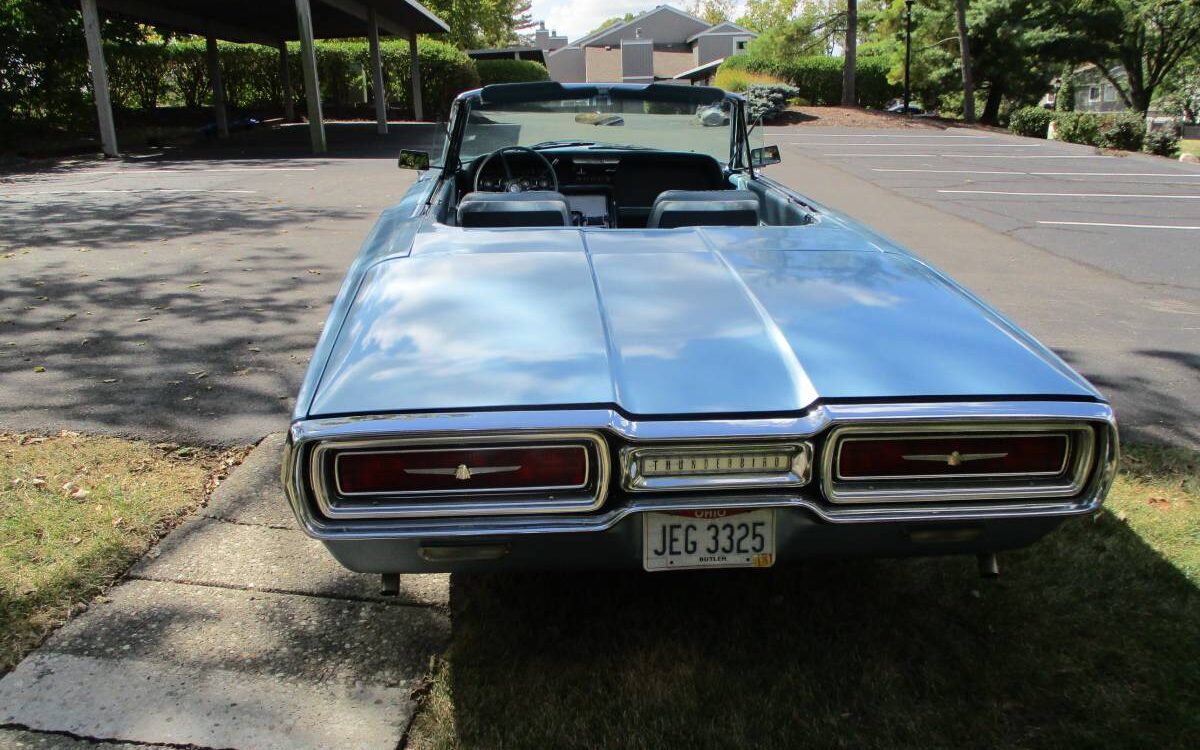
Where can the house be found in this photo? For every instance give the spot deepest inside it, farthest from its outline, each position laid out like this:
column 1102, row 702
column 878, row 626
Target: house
column 544, row 42
column 661, row 44
column 1094, row 92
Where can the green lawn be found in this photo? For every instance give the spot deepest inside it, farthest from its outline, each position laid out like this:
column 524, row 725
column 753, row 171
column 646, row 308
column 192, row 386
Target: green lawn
column 1190, row 146
column 74, row 513
column 1091, row 638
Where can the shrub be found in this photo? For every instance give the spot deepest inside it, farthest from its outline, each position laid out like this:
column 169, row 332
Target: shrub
column 768, row 101
column 1163, row 142
column 510, row 71
column 731, row 79
column 1125, row 131
column 1064, row 98
column 1078, row 127
column 1030, row 121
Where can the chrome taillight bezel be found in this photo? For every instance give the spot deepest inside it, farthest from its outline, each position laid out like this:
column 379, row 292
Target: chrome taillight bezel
column 1068, row 482
column 336, row 505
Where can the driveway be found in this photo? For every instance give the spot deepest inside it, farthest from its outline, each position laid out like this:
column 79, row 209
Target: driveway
column 1095, row 254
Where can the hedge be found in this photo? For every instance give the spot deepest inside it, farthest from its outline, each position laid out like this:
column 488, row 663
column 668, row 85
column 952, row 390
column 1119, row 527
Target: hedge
column 1125, row 131
column 151, row 75
column 510, row 71
column 819, row 78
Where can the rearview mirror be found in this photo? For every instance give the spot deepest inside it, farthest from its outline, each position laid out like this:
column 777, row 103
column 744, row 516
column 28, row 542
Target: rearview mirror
column 765, row 156
column 413, row 159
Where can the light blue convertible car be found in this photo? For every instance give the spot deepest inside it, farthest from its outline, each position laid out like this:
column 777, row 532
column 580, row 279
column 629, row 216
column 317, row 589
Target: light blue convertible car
column 593, row 334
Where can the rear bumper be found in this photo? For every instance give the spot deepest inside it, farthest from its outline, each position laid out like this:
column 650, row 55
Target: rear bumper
column 800, row 535
column 807, row 525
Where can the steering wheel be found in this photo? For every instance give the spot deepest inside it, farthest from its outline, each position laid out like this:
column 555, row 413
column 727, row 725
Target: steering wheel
column 511, row 185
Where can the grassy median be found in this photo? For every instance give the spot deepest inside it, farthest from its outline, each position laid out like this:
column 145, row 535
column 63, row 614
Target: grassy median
column 1090, row 638
column 74, row 513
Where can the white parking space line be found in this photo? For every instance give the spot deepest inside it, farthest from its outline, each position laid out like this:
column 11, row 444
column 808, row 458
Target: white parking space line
column 901, row 145
column 1122, row 226
column 1042, row 174
column 881, row 154
column 882, row 135
column 1076, row 195
column 34, row 193
column 186, row 171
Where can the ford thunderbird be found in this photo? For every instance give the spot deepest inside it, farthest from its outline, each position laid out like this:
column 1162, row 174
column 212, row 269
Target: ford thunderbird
column 594, row 334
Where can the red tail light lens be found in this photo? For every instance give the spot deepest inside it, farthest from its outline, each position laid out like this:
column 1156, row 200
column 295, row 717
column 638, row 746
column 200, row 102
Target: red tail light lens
column 516, row 469
column 954, row 456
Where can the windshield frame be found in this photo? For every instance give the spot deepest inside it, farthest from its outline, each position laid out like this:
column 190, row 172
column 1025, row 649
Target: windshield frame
column 554, row 91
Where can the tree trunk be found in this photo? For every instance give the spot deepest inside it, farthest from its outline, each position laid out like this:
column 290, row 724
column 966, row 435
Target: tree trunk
column 964, row 51
column 991, row 106
column 849, row 98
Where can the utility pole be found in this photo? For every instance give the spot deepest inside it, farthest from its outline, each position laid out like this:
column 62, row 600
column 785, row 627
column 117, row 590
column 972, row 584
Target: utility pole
column 908, row 4
column 964, row 49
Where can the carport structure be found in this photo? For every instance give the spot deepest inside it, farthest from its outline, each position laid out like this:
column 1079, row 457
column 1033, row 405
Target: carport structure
column 272, row 23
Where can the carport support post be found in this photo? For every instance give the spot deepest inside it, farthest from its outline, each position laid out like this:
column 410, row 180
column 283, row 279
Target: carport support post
column 285, row 82
column 218, row 87
column 415, row 67
column 95, row 47
column 312, row 89
column 377, row 72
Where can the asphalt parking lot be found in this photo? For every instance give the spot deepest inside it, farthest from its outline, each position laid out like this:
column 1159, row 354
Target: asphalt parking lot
column 1096, row 254
column 179, row 294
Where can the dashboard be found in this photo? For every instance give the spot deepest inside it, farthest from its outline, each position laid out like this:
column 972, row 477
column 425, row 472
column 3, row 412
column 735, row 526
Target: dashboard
column 603, row 187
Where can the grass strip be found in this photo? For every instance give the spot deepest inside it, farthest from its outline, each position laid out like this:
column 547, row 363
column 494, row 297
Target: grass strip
column 75, row 512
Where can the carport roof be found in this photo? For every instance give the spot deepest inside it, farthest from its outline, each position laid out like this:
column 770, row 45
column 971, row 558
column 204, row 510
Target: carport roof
column 274, row 21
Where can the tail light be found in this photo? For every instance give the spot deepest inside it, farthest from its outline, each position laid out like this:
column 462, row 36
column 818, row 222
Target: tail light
column 538, row 467
column 957, row 456
column 938, row 463
column 482, row 475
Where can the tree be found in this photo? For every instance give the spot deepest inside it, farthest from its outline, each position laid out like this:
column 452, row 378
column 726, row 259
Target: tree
column 713, row 11
column 850, row 62
column 810, row 33
column 964, row 55
column 762, row 16
column 1147, row 37
column 482, row 23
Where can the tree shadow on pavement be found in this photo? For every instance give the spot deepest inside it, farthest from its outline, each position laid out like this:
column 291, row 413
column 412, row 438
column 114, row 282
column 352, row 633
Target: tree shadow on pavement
column 190, row 318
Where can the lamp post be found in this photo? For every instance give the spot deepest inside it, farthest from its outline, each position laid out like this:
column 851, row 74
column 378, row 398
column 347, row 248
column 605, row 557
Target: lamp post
column 908, row 4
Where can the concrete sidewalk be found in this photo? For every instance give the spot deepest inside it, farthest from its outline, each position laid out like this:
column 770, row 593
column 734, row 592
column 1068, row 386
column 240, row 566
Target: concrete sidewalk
column 237, row 631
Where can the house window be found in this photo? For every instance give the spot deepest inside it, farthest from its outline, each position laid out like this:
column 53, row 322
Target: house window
column 1093, row 93
column 741, row 45
column 1110, row 92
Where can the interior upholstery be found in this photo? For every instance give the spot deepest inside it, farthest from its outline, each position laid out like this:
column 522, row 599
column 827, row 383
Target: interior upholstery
column 704, row 208
column 537, row 208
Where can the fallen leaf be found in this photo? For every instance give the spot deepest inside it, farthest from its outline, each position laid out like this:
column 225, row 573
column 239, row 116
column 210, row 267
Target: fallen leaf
column 39, row 368
column 314, row 272
column 195, row 286
column 110, row 380
column 142, row 320
column 1159, row 502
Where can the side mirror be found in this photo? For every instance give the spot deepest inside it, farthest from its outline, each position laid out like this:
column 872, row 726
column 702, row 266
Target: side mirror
column 765, row 156
column 413, row 160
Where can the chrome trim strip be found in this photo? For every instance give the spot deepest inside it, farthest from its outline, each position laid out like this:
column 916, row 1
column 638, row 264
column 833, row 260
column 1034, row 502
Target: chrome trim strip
column 952, row 488
column 950, row 434
column 798, row 474
column 427, row 504
column 304, row 433
column 342, row 450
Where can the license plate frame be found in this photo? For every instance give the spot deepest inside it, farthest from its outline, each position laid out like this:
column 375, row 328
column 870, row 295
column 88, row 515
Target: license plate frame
column 664, row 549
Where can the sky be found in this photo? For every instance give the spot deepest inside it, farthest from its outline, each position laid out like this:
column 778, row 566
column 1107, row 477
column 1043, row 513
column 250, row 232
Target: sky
column 574, row 18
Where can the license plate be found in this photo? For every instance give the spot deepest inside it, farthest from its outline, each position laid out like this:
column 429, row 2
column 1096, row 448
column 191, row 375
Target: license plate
column 719, row 538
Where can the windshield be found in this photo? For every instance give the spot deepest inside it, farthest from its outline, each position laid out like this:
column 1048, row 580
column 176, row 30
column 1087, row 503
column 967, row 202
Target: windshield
column 600, row 121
